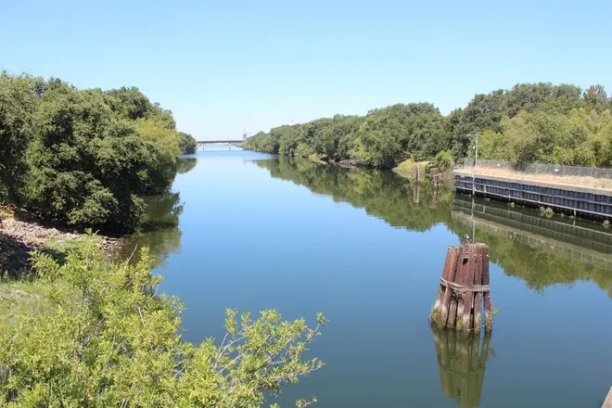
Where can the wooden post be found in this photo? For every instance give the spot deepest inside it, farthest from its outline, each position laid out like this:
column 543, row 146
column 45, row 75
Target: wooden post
column 417, row 173
column 435, row 177
column 464, row 287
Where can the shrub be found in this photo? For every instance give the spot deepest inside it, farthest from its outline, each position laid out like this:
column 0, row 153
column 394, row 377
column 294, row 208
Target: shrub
column 102, row 338
column 444, row 160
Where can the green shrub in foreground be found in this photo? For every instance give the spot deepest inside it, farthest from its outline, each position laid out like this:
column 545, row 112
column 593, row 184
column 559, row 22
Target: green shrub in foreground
column 102, row 338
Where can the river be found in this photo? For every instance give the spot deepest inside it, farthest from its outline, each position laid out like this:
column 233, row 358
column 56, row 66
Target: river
column 367, row 248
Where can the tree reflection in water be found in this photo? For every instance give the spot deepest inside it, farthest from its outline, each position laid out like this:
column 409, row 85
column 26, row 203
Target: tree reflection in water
column 541, row 261
column 160, row 231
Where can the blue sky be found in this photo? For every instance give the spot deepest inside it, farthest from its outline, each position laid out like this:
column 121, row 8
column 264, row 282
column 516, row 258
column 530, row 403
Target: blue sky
column 224, row 66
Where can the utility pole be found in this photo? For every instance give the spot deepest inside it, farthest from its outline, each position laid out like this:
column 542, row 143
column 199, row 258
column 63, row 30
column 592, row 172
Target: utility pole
column 474, row 164
column 474, row 185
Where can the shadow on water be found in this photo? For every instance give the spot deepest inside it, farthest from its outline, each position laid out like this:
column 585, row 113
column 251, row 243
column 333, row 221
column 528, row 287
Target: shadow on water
column 160, row 230
column 526, row 245
column 462, row 361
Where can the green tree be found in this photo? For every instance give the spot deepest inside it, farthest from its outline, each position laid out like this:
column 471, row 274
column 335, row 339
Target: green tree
column 187, row 143
column 84, row 163
column 164, row 146
column 18, row 102
column 444, row 160
column 597, row 97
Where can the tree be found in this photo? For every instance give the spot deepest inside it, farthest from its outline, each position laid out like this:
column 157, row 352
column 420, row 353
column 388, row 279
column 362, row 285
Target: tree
column 18, row 102
column 83, row 157
column 164, row 146
column 528, row 122
column 84, row 164
column 101, row 337
column 187, row 143
column 596, row 97
column 443, row 160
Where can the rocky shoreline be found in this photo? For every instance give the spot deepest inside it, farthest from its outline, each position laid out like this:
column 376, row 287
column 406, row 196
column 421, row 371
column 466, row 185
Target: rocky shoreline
column 19, row 238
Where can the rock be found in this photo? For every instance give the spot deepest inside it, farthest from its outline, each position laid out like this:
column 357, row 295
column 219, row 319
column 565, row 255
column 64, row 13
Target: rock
column 348, row 163
column 18, row 238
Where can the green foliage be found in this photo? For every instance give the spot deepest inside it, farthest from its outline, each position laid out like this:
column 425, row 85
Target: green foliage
column 83, row 157
column 303, row 150
column 187, row 143
column 443, row 160
column 557, row 124
column 84, row 163
column 379, row 139
column 17, row 105
column 164, row 147
column 98, row 336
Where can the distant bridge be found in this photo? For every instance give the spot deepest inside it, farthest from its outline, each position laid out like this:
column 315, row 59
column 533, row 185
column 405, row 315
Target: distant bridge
column 203, row 142
column 228, row 143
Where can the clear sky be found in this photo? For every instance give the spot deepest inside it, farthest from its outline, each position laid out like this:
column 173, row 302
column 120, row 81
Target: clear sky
column 226, row 65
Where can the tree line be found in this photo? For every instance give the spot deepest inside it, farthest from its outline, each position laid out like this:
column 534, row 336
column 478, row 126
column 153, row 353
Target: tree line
column 559, row 124
column 84, row 158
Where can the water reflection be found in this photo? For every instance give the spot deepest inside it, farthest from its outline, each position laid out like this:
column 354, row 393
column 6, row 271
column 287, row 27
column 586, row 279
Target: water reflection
column 462, row 361
column 541, row 251
column 160, row 230
column 186, row 164
column 382, row 194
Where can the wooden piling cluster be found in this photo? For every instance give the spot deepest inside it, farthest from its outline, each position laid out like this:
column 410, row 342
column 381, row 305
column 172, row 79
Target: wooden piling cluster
column 462, row 363
column 464, row 289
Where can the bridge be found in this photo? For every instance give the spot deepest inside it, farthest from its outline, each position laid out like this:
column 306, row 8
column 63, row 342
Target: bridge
column 229, row 143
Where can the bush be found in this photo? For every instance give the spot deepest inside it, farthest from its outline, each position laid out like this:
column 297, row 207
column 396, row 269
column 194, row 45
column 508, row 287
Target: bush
column 444, row 160
column 303, row 150
column 102, row 338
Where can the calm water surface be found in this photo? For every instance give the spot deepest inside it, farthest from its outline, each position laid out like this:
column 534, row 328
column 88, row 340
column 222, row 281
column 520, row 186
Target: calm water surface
column 367, row 249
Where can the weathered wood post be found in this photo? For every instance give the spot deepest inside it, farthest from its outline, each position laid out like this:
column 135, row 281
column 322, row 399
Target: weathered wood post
column 435, row 177
column 462, row 364
column 464, row 287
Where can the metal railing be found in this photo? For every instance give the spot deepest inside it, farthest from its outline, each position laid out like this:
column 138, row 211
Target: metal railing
column 544, row 169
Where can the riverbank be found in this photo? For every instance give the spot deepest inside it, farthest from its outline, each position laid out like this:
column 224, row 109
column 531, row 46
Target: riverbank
column 18, row 238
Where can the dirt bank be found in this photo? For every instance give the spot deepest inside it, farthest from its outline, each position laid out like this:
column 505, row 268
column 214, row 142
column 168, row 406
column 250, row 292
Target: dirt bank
column 18, row 238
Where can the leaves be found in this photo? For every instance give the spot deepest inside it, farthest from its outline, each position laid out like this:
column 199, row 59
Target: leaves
column 530, row 122
column 100, row 337
column 82, row 157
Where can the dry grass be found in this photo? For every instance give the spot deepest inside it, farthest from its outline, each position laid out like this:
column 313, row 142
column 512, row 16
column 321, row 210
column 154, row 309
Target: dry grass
column 407, row 168
column 603, row 184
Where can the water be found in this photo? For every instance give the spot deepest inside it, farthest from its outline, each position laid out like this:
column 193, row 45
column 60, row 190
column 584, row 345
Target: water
column 367, row 248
